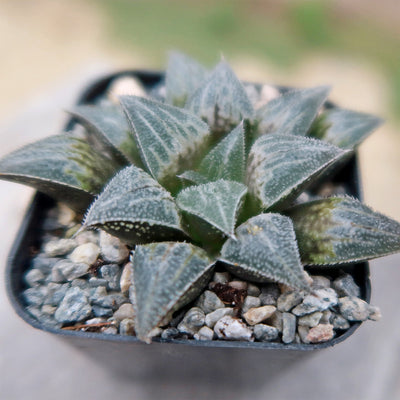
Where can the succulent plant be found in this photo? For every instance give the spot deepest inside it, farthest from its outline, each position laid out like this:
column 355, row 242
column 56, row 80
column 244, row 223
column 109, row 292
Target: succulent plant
column 201, row 172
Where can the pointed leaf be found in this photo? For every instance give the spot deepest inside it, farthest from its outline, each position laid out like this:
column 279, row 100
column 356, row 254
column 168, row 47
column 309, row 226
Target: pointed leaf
column 281, row 166
column 183, row 76
column 342, row 230
column 109, row 125
column 193, row 176
column 216, row 202
column 134, row 207
column 347, row 129
column 265, row 249
column 166, row 276
column 62, row 166
column 221, row 100
column 168, row 137
column 226, row 159
column 291, row 113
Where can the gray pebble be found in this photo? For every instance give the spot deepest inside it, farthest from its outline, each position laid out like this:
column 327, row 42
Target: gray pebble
column 310, row 320
column 112, row 274
column 112, row 249
column 59, row 247
column 209, row 302
column 339, row 322
column 170, row 333
column 326, row 317
column 259, row 314
column 87, row 237
column 265, row 333
column 221, row 277
column 320, row 282
column 303, row 332
column 55, row 293
column 66, row 270
column 321, row 333
column 44, row 319
column 253, row 290
column 212, row 318
column 126, row 278
column 44, row 264
column 34, row 277
column 96, row 282
column 320, row 300
column 354, row 309
column 80, row 283
column 276, row 320
column 289, row 327
column 127, row 327
column 240, row 285
column 97, row 294
column 289, row 300
column 74, row 307
column 48, row 309
column 112, row 300
column 85, row 253
column 205, row 333
column 345, row 286
column 94, row 321
column 35, row 296
column 228, row 328
column 109, row 330
column 374, row 313
column 193, row 320
column 250, row 302
column 102, row 312
column 269, row 294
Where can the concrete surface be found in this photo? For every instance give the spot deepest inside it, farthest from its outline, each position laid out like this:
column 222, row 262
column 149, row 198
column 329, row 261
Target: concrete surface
column 37, row 366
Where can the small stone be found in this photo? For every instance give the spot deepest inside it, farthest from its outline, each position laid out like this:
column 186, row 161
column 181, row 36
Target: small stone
column 35, row 296
column 85, row 253
column 109, row 330
column 170, row 333
column 96, row 282
column 44, row 264
column 240, row 285
column 205, row 333
column 127, row 327
column 289, row 327
column 276, row 320
column 303, row 332
column 156, row 332
column 267, row 94
column 102, row 312
column 265, row 333
column 94, row 321
column 65, row 216
column 112, row 274
column 320, row 300
column 125, row 311
column 326, row 317
column 250, row 302
column 66, row 270
column 320, row 282
column 193, row 320
column 34, row 277
column 289, row 300
column 253, row 290
column 320, row 333
column 125, row 85
column 213, row 317
column 112, row 249
column 228, row 328
column 310, row 320
column 374, row 313
column 112, row 300
column 346, row 287
column 269, row 294
column 353, row 309
column 177, row 317
column 87, row 237
column 47, row 309
column 285, row 288
column 59, row 247
column 256, row 315
column 126, row 278
column 80, row 283
column 339, row 322
column 74, row 307
column 221, row 277
column 55, row 293
column 328, row 297
column 308, row 278
column 209, row 302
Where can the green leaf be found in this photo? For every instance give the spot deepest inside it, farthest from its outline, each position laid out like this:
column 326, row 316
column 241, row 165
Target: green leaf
column 216, row 203
column 226, row 159
column 169, row 138
column 281, row 166
column 265, row 249
column 166, row 276
column 108, row 124
column 183, row 76
column 62, row 166
column 291, row 113
column 347, row 129
column 342, row 230
column 193, row 177
column 221, row 101
column 135, row 208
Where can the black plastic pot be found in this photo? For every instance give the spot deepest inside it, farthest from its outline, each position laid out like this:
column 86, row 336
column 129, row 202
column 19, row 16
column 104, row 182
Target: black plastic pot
column 183, row 358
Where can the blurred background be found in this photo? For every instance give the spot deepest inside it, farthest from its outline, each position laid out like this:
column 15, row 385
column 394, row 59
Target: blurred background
column 51, row 49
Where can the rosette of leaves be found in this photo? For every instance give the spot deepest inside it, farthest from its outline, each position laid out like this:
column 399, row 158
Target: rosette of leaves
column 202, row 176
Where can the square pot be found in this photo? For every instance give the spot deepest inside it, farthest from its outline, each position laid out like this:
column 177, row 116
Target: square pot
column 126, row 354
